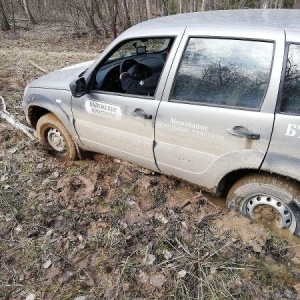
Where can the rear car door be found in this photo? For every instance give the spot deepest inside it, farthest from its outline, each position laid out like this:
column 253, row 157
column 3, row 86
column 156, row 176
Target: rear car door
column 217, row 114
column 283, row 156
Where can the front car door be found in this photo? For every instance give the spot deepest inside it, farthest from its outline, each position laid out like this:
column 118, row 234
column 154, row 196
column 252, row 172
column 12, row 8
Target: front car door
column 283, row 156
column 217, row 116
column 112, row 122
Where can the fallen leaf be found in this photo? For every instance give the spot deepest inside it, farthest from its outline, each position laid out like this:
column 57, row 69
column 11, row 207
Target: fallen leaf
column 47, row 264
column 157, row 280
column 30, row 297
column 19, row 228
column 167, row 254
column 49, row 233
column 149, row 259
column 55, row 174
column 143, row 277
column 161, row 218
column 181, row 274
column 104, row 209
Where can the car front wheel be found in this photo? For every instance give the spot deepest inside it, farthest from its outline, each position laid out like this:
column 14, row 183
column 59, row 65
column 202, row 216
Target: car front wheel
column 270, row 199
column 54, row 136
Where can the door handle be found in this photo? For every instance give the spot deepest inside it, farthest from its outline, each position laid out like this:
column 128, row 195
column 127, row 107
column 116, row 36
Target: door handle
column 142, row 114
column 243, row 132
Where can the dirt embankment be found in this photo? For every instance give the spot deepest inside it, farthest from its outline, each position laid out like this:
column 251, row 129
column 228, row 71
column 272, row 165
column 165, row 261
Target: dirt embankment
column 106, row 229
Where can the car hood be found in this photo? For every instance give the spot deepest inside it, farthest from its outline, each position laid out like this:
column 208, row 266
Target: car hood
column 60, row 79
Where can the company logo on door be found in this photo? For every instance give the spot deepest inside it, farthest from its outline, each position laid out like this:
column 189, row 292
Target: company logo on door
column 103, row 109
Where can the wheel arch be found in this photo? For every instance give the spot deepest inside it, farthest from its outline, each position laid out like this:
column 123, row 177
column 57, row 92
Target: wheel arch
column 231, row 178
column 228, row 180
column 35, row 111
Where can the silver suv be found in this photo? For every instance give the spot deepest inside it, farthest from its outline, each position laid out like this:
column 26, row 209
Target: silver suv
column 224, row 112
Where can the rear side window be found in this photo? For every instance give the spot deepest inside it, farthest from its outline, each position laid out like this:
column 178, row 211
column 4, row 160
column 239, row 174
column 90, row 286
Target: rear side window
column 291, row 87
column 224, row 72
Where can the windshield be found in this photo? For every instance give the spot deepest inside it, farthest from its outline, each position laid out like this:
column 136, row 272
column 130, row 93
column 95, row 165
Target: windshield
column 140, row 46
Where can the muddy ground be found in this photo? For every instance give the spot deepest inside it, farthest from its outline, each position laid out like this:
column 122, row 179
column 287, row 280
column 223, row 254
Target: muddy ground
column 102, row 228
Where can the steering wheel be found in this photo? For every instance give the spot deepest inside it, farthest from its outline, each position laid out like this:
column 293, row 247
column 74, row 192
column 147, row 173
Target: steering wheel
column 135, row 69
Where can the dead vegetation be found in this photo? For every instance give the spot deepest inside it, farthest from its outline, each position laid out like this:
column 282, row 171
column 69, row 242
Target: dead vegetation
column 106, row 229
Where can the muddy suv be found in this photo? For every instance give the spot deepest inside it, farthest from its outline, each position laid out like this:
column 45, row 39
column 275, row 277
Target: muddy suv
column 225, row 113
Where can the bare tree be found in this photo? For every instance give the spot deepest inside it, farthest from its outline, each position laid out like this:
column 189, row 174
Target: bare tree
column 89, row 13
column 137, row 11
column 164, row 7
column 112, row 9
column 125, row 14
column 180, row 7
column 149, row 11
column 101, row 19
column 3, row 18
column 28, row 12
column 264, row 3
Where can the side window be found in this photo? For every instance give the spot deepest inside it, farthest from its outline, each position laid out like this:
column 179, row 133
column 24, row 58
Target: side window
column 291, row 86
column 224, row 72
column 143, row 60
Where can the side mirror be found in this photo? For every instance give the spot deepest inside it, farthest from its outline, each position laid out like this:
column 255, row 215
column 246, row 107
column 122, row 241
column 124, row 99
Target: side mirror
column 78, row 87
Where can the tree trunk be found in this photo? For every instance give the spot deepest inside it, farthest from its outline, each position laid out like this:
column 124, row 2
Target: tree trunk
column 148, row 8
column 137, row 11
column 3, row 19
column 180, row 6
column 164, row 7
column 100, row 16
column 203, row 5
column 89, row 12
column 264, row 4
column 28, row 12
column 112, row 9
column 126, row 17
column 242, row 3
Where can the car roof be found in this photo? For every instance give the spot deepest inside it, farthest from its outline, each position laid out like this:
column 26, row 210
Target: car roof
column 247, row 18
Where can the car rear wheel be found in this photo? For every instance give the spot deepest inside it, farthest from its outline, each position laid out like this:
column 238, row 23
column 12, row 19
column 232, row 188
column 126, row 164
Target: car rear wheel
column 54, row 136
column 270, row 199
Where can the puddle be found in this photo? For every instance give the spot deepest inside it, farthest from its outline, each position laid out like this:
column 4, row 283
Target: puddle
column 218, row 201
column 283, row 233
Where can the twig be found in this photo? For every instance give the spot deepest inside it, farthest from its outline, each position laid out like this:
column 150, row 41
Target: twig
column 218, row 250
column 182, row 247
column 170, row 260
column 121, row 274
column 37, row 66
column 5, row 115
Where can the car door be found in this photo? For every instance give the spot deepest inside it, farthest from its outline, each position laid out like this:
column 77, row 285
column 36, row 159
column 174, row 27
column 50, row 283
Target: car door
column 283, row 155
column 217, row 113
column 116, row 123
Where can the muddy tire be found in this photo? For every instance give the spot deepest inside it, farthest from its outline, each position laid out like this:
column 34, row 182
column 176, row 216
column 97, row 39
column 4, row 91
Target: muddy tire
column 54, row 136
column 269, row 198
